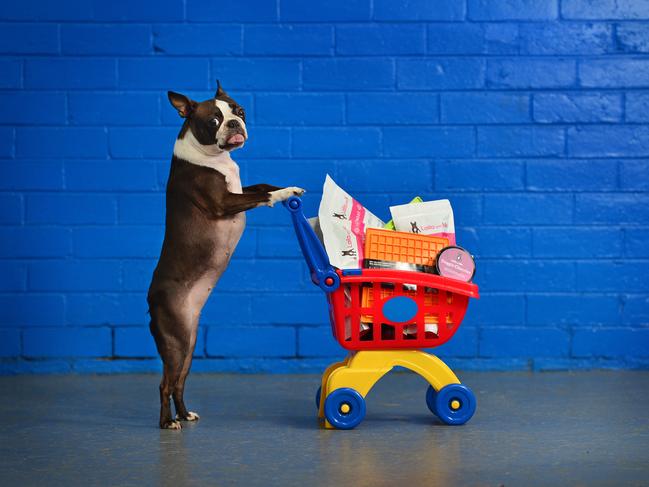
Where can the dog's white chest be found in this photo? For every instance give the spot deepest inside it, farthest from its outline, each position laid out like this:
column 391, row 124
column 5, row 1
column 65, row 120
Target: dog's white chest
column 230, row 170
column 229, row 229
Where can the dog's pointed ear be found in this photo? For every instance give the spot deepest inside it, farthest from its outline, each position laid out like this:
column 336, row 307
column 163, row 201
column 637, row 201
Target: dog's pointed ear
column 220, row 92
column 180, row 102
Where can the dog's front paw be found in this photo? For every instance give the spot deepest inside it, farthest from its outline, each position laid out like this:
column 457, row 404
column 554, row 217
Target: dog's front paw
column 171, row 425
column 191, row 416
column 284, row 194
column 296, row 191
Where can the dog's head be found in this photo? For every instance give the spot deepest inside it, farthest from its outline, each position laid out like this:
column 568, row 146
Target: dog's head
column 219, row 122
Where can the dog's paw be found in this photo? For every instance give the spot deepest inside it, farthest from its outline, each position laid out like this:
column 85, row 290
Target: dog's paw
column 171, row 425
column 191, row 416
column 284, row 194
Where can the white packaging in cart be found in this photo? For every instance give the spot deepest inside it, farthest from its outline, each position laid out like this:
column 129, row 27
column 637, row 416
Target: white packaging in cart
column 343, row 222
column 433, row 218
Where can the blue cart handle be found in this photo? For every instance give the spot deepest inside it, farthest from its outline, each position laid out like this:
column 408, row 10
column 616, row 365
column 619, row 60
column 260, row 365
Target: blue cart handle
column 322, row 272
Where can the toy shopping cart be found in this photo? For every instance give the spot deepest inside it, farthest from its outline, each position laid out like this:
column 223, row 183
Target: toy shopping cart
column 406, row 311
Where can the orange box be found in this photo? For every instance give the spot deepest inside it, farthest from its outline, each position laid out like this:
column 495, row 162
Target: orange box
column 400, row 247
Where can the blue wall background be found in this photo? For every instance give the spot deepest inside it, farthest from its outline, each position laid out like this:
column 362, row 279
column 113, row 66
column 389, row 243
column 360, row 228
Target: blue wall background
column 531, row 116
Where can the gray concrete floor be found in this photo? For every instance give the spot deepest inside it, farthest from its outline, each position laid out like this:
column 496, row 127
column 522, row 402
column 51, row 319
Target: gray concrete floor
column 586, row 428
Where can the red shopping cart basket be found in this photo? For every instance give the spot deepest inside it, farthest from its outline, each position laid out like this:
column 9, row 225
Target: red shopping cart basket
column 407, row 309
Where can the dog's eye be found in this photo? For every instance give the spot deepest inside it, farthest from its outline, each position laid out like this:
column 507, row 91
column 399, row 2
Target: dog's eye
column 239, row 112
column 214, row 122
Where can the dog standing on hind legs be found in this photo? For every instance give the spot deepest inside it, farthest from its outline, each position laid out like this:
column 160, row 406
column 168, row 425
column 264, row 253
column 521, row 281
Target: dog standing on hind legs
column 204, row 222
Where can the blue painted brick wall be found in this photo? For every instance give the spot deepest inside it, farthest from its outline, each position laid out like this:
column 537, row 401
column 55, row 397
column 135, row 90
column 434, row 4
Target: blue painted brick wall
column 532, row 117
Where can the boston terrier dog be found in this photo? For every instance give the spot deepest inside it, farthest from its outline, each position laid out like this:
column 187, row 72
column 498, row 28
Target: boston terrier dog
column 205, row 219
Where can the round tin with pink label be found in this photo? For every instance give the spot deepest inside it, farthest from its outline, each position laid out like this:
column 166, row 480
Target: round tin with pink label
column 456, row 263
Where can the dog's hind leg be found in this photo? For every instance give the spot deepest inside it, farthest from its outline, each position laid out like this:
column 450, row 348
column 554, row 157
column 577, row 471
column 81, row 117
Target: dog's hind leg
column 182, row 413
column 173, row 336
column 170, row 377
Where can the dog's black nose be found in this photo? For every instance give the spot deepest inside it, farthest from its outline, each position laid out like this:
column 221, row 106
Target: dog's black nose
column 233, row 124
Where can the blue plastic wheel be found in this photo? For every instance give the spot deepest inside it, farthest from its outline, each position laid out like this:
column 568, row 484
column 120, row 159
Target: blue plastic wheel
column 455, row 404
column 317, row 397
column 431, row 399
column 344, row 408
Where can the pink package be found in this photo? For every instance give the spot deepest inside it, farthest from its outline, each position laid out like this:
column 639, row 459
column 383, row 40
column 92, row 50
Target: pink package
column 343, row 222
